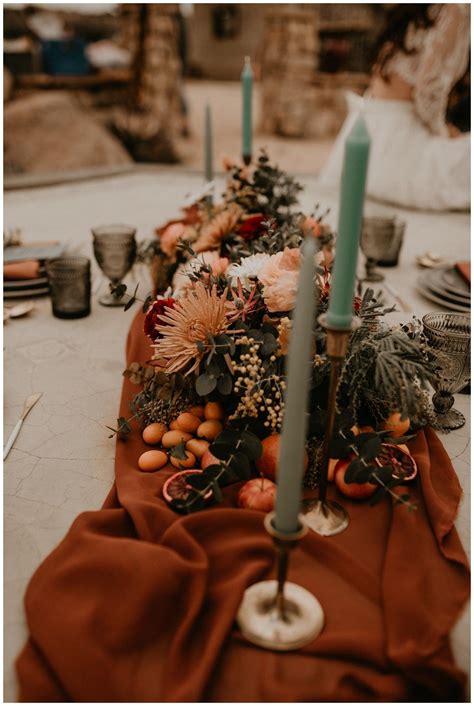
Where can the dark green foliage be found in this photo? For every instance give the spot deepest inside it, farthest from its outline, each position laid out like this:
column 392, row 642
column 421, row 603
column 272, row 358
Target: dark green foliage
column 236, row 450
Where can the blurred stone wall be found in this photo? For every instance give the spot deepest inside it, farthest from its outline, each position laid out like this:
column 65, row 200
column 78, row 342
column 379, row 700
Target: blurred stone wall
column 154, row 117
column 213, row 56
column 289, row 63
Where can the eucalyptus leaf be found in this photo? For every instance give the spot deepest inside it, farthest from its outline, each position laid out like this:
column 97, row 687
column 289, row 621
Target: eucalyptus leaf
column 339, row 447
column 129, row 304
column 118, row 290
column 240, row 464
column 216, row 491
column 404, row 498
column 385, row 474
column 197, row 481
column 179, row 505
column 213, row 368
column 401, row 439
column 165, row 394
column 179, row 452
column 146, row 303
column 225, row 384
column 195, row 501
column 357, row 472
column 210, row 472
column 228, row 436
column 222, row 450
column 269, row 345
column 377, row 496
column 251, row 445
column 205, row 384
column 371, row 449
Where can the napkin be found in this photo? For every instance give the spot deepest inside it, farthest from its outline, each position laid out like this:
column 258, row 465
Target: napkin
column 29, row 269
column 464, row 269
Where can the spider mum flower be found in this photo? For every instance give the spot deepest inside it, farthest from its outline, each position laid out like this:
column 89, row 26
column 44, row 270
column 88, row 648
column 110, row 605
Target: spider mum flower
column 153, row 317
column 184, row 329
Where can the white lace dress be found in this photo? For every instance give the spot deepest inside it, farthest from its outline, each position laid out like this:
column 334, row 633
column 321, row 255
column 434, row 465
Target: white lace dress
column 413, row 162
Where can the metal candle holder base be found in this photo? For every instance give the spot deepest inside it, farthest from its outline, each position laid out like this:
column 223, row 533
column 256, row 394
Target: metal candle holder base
column 280, row 615
column 326, row 517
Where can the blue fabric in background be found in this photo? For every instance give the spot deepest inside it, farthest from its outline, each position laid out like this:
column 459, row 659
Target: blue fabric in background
column 65, row 57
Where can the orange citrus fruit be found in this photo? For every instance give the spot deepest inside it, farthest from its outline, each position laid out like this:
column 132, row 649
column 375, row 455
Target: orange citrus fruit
column 396, row 425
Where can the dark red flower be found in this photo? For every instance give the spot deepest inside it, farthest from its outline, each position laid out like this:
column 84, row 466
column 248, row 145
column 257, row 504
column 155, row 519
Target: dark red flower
column 252, row 226
column 153, row 317
column 357, row 301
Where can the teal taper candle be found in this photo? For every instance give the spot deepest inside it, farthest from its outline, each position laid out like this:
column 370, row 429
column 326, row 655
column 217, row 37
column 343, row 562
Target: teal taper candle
column 247, row 88
column 208, row 165
column 351, row 206
column 298, row 379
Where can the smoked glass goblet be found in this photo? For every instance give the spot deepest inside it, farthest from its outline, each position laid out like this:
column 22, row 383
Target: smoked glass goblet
column 380, row 241
column 115, row 250
column 449, row 337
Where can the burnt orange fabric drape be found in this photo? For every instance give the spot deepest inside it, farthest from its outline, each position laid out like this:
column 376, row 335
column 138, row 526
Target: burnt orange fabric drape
column 138, row 603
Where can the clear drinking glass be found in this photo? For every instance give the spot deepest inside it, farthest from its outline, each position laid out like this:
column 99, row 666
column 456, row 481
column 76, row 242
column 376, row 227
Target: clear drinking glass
column 449, row 337
column 381, row 241
column 70, row 286
column 115, row 250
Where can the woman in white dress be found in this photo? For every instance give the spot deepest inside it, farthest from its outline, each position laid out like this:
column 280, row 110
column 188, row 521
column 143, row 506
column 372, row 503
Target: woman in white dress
column 417, row 159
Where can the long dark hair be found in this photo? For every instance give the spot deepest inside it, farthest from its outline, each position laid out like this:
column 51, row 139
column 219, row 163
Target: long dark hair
column 392, row 39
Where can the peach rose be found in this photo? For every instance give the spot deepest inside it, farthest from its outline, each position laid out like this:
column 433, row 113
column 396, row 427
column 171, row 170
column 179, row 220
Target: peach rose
column 280, row 279
column 312, row 225
column 170, row 237
column 281, row 295
column 219, row 266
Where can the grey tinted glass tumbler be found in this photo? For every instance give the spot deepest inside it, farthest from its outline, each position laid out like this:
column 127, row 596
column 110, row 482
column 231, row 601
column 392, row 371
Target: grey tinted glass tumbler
column 70, row 286
column 115, row 250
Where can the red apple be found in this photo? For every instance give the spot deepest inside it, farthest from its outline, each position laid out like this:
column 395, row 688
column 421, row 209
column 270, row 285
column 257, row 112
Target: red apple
column 355, row 491
column 257, row 494
column 267, row 464
column 207, row 459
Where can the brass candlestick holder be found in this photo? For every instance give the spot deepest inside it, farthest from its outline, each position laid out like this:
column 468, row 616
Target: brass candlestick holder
column 277, row 614
column 327, row 517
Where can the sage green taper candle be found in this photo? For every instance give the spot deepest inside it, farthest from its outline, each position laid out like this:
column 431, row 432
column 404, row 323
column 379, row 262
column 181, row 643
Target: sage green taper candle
column 208, row 165
column 247, row 87
column 298, row 379
column 351, row 206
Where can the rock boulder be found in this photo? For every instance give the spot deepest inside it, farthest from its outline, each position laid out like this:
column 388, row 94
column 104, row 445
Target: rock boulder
column 50, row 132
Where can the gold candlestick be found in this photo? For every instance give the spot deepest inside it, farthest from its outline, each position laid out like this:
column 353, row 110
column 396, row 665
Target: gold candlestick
column 327, row 517
column 277, row 614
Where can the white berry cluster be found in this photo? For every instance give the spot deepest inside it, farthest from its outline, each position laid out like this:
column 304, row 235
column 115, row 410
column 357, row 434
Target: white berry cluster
column 260, row 394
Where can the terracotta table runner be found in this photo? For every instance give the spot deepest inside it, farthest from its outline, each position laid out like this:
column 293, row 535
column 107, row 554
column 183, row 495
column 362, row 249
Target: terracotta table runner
column 138, row 603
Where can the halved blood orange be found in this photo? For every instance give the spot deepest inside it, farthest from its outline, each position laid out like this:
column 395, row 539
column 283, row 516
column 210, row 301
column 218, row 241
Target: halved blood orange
column 401, row 460
column 176, row 486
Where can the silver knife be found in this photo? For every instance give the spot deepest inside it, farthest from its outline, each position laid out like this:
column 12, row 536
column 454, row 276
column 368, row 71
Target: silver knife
column 28, row 406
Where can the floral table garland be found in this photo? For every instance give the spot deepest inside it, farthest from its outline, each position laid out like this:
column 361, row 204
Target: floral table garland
column 212, row 393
